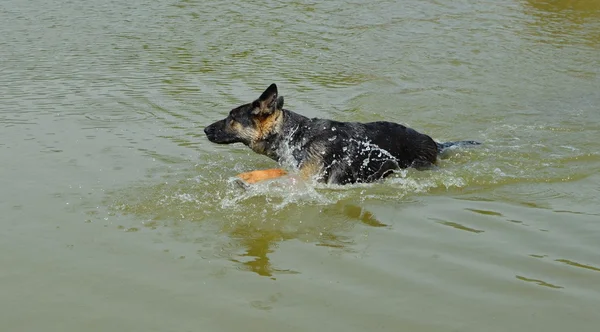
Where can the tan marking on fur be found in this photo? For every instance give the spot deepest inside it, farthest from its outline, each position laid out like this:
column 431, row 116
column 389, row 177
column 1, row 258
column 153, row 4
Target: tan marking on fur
column 262, row 175
column 247, row 132
column 264, row 127
column 309, row 169
column 269, row 124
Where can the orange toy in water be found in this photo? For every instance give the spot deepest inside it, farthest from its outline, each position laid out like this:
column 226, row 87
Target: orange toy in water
column 261, row 175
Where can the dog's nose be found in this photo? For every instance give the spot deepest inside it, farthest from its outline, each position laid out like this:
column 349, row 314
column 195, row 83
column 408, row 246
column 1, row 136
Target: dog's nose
column 207, row 130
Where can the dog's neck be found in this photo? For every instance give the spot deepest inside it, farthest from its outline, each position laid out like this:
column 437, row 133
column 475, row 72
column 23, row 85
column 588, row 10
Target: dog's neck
column 290, row 122
column 282, row 136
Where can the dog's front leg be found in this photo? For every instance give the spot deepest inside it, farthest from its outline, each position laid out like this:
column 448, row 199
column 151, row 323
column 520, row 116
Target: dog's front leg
column 261, row 175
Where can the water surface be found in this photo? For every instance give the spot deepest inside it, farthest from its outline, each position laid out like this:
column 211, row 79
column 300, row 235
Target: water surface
column 117, row 213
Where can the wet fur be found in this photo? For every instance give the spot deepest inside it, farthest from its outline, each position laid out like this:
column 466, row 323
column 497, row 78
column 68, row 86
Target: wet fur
column 330, row 151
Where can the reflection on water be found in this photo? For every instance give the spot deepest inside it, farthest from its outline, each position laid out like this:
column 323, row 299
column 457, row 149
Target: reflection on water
column 458, row 226
column 566, row 22
column 256, row 221
column 575, row 10
column 575, row 264
column 258, row 244
column 539, row 282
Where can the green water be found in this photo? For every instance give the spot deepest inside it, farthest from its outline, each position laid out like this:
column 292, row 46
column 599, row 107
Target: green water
column 117, row 214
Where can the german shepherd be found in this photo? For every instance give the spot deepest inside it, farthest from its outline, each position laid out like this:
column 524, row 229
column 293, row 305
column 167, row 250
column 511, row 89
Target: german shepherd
column 325, row 150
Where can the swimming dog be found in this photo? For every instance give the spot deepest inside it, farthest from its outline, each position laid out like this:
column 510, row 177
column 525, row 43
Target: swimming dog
column 326, row 150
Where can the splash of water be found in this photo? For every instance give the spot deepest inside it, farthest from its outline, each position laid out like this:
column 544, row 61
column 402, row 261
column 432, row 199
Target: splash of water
column 280, row 192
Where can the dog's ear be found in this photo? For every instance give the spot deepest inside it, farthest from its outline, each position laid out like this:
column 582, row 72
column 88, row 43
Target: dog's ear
column 280, row 103
column 268, row 102
column 269, row 95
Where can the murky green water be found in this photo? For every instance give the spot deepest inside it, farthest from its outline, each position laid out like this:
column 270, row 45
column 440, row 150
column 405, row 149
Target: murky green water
column 118, row 214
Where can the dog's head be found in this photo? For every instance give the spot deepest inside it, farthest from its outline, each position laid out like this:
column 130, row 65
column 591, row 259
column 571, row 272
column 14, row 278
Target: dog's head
column 250, row 123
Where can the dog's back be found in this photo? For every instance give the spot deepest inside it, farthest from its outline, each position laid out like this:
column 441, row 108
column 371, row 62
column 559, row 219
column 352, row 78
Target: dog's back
column 353, row 152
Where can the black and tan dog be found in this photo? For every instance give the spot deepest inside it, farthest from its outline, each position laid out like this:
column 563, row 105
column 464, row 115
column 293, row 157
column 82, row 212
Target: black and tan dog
column 326, row 150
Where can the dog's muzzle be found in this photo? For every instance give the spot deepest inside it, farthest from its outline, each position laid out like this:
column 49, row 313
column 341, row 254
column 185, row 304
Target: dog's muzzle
column 217, row 133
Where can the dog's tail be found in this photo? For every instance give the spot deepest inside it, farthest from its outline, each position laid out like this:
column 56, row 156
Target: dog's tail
column 457, row 144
